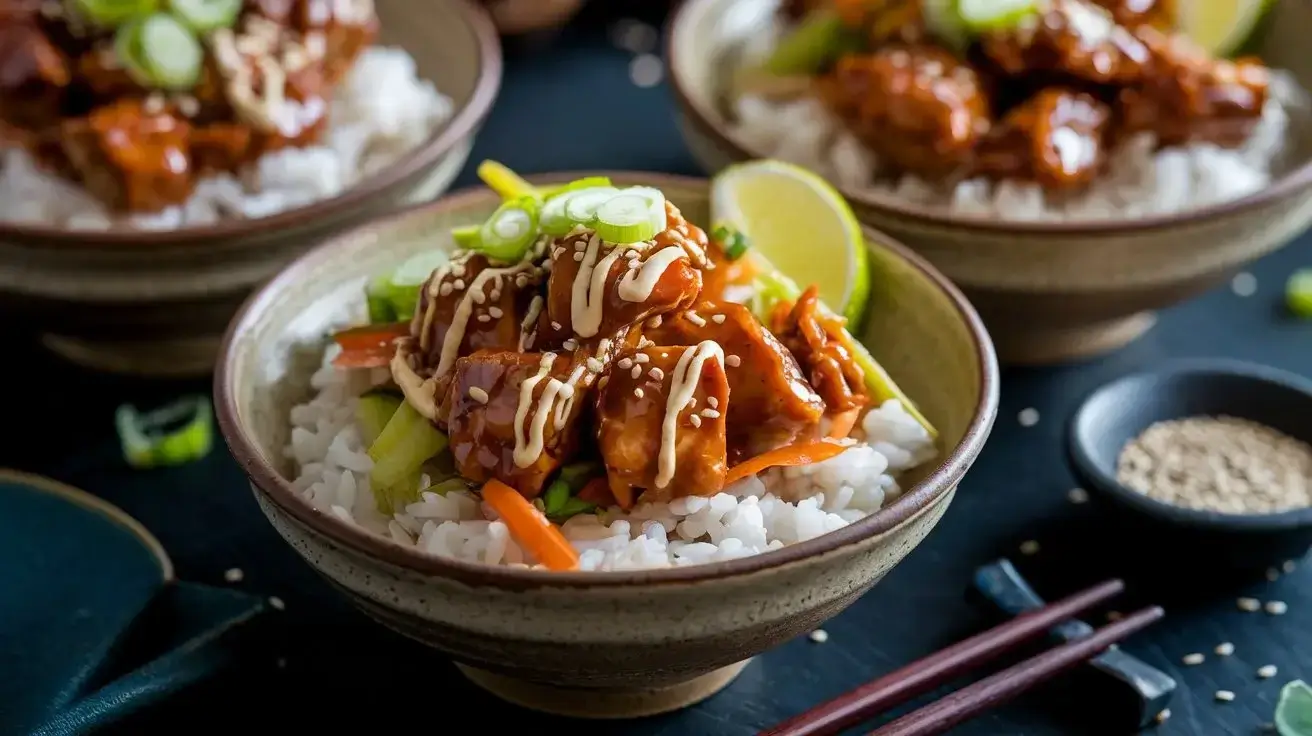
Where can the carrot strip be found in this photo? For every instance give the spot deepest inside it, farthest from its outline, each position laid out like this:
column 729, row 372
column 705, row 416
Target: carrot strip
column 804, row 454
column 530, row 528
column 370, row 346
column 842, row 424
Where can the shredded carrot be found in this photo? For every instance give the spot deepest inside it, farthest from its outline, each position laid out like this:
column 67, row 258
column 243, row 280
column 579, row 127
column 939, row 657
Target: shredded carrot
column 530, row 528
column 842, row 424
column 597, row 492
column 370, row 346
column 803, row 454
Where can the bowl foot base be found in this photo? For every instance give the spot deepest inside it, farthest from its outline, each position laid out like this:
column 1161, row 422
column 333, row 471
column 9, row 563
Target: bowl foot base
column 1037, row 345
column 603, row 703
column 189, row 357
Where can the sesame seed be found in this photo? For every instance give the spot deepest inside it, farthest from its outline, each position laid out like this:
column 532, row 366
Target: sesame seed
column 1266, row 671
column 645, row 343
column 1249, row 604
column 1193, row 659
column 1244, row 284
column 714, row 402
column 1225, row 696
column 625, row 363
column 277, row 603
column 444, row 290
column 696, row 420
column 1225, row 649
column 234, row 575
column 1077, row 495
column 484, row 318
column 1289, row 566
column 458, row 285
column 637, row 371
column 495, row 311
column 570, row 344
column 478, row 394
column 1276, row 608
column 602, row 383
column 578, row 256
column 733, row 361
column 654, row 322
column 819, row 636
column 1163, row 716
column 595, row 365
column 646, row 70
column 641, row 358
column 1029, row 547
column 656, row 373
column 637, row 392
column 710, row 413
column 1028, row 417
column 555, row 325
column 694, row 318
column 718, row 319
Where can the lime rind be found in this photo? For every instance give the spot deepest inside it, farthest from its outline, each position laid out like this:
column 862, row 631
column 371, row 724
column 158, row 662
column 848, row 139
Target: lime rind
column 1294, row 710
column 1223, row 29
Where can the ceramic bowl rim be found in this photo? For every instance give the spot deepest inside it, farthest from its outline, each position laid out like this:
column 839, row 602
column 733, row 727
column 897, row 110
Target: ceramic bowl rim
column 279, row 491
column 1294, row 181
column 459, row 128
column 1082, row 458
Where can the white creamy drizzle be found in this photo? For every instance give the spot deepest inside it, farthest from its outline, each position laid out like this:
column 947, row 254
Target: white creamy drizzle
column 417, row 391
column 528, row 444
column 455, row 334
column 526, row 328
column 637, row 284
column 683, row 384
column 588, row 298
column 454, row 267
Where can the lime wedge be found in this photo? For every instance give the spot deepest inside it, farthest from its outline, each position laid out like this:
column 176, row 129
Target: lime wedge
column 1294, row 711
column 1221, row 27
column 803, row 232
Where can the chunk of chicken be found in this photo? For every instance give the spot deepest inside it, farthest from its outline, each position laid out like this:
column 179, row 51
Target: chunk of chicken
column 1130, row 13
column 34, row 73
column 1056, row 138
column 335, row 32
column 131, row 157
column 661, row 423
column 771, row 403
column 1074, row 39
column 1190, row 96
column 516, row 416
column 814, row 339
column 918, row 107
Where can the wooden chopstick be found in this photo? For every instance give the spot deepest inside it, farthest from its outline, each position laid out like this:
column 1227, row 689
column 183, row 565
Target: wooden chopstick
column 924, row 675
column 994, row 690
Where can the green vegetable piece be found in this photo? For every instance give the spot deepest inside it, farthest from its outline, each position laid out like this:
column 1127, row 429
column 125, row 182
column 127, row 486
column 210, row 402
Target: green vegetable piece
column 581, row 205
column 555, row 497
column 577, row 475
column 466, row 236
column 444, row 487
column 736, row 246
column 1294, row 711
column 178, row 433
column 409, row 277
column 509, row 233
column 407, row 441
column 993, row 15
column 378, row 295
column 812, row 46
column 113, row 13
column 586, row 182
column 1298, row 293
column 203, row 16
column 507, row 183
column 572, row 507
column 628, row 218
column 395, row 498
column 159, row 51
column 374, row 410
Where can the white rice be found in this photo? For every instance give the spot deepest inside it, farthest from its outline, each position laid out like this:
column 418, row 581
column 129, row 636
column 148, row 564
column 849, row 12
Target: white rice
column 381, row 111
column 1139, row 181
column 778, row 508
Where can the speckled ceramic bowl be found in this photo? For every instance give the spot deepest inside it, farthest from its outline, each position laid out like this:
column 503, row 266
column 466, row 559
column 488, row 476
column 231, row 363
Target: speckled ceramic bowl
column 156, row 303
column 1048, row 292
column 597, row 644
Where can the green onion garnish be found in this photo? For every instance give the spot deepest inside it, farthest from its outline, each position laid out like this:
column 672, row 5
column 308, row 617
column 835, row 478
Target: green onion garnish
column 737, row 245
column 581, row 204
column 203, row 16
column 378, row 295
column 993, row 15
column 555, row 497
column 584, row 183
column 406, row 281
column 577, row 475
column 509, row 233
column 159, row 51
column 466, row 236
column 573, row 506
column 1294, row 709
column 627, row 218
column 503, row 181
column 175, row 434
column 113, row 13
column 553, row 219
column 1298, row 293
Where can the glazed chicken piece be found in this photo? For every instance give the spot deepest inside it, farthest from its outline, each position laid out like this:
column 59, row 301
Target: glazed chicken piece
column 131, row 157
column 336, row 31
column 661, row 422
column 918, row 107
column 34, row 73
column 1056, row 138
column 814, row 339
column 1073, row 39
column 1190, row 96
column 1131, row 13
column 772, row 404
column 515, row 416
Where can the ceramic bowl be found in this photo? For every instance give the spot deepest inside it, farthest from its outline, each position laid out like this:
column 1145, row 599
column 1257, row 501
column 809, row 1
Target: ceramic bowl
column 1048, row 292
column 608, row 644
column 1117, row 412
column 156, row 303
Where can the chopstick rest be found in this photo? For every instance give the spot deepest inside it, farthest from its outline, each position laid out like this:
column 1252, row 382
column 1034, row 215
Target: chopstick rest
column 1151, row 689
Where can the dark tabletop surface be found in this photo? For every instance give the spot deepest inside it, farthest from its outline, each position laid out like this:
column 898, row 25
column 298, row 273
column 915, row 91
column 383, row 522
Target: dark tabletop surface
column 321, row 667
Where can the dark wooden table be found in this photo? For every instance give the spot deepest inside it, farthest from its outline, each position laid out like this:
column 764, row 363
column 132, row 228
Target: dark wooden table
column 323, row 668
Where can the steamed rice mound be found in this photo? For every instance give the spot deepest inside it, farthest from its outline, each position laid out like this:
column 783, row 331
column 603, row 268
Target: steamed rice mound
column 780, row 507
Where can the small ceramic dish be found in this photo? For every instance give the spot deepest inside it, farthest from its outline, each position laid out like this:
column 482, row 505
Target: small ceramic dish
column 1049, row 292
column 156, row 302
column 597, row 644
column 1119, row 411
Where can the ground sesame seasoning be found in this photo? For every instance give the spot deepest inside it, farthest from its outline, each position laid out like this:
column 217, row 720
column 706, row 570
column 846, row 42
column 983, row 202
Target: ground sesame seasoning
column 1276, row 608
column 718, row 319
column 1249, row 605
column 1028, row 417
column 1077, row 495
column 1225, row 696
column 234, row 575
column 819, row 636
column 696, row 420
column 1225, row 649
column 637, row 392
column 1193, row 659
column 733, row 361
column 656, row 373
column 1029, row 547
column 1267, row 671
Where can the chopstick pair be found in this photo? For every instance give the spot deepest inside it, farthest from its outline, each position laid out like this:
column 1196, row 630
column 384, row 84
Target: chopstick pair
column 923, row 675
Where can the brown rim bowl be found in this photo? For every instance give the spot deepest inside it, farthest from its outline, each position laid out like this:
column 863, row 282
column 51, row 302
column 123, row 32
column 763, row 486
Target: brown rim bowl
column 156, row 302
column 603, row 644
column 1049, row 292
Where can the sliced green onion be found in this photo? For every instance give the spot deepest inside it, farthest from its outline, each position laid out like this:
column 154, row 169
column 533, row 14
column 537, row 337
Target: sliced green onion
column 505, row 182
column 721, row 233
column 578, row 474
column 812, row 46
column 409, row 278
column 581, row 205
column 1293, row 715
column 627, row 218
column 407, row 441
column 772, row 287
column 466, row 236
column 1298, row 293
column 378, row 295
column 509, row 233
column 586, row 182
column 373, row 411
column 553, row 219
column 203, row 16
column 655, row 203
column 994, row 15
column 573, row 506
column 113, row 13
column 158, row 51
column 737, row 245
column 555, row 497
column 178, row 433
